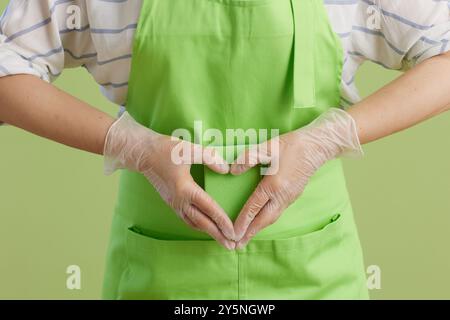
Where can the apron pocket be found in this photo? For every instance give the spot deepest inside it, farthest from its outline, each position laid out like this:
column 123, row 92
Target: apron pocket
column 177, row 269
column 324, row 264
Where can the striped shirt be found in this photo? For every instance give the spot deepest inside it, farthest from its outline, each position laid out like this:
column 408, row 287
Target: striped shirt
column 42, row 37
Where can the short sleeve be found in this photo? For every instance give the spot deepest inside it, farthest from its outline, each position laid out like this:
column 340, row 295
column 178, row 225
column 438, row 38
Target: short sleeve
column 42, row 37
column 399, row 34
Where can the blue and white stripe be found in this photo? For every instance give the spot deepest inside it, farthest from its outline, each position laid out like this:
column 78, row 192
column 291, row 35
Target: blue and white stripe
column 34, row 38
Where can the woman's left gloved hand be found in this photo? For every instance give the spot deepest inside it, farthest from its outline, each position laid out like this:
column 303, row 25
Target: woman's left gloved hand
column 294, row 157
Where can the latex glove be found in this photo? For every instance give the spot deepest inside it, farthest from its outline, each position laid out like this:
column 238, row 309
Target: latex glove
column 296, row 157
column 132, row 146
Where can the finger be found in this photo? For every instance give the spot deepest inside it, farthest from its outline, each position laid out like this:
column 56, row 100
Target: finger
column 268, row 215
column 254, row 155
column 245, row 161
column 196, row 153
column 182, row 152
column 213, row 160
column 199, row 221
column 187, row 153
column 189, row 222
column 211, row 209
column 251, row 209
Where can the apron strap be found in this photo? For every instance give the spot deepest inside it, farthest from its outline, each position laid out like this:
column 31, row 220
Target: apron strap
column 303, row 82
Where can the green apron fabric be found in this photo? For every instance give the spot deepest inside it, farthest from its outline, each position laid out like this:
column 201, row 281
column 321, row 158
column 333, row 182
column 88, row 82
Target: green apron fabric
column 234, row 64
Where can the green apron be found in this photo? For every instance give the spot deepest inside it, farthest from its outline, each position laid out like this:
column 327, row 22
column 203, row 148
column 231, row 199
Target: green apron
column 234, row 64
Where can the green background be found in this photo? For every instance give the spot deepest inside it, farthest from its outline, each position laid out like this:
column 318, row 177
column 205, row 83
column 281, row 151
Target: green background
column 56, row 206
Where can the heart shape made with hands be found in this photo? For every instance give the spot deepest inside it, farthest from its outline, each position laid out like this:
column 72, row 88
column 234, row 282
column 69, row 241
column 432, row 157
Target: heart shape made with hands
column 231, row 192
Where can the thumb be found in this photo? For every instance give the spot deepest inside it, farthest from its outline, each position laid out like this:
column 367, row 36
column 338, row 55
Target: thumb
column 254, row 155
column 213, row 160
column 186, row 153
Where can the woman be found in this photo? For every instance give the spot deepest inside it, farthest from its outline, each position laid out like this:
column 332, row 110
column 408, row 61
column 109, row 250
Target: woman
column 205, row 228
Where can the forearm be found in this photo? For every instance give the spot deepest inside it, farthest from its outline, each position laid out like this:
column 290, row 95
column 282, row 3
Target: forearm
column 417, row 95
column 38, row 107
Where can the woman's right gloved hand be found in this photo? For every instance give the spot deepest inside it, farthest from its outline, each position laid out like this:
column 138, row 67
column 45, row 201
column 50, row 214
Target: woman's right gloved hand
column 132, row 146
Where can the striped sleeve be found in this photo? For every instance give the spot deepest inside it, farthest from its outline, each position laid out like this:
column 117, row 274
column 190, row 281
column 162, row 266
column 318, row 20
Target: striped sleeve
column 399, row 34
column 33, row 35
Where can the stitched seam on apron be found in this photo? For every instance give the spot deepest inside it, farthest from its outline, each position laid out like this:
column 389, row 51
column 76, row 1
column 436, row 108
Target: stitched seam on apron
column 239, row 276
column 242, row 283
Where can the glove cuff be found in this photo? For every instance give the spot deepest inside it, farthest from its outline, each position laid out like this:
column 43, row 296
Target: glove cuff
column 337, row 131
